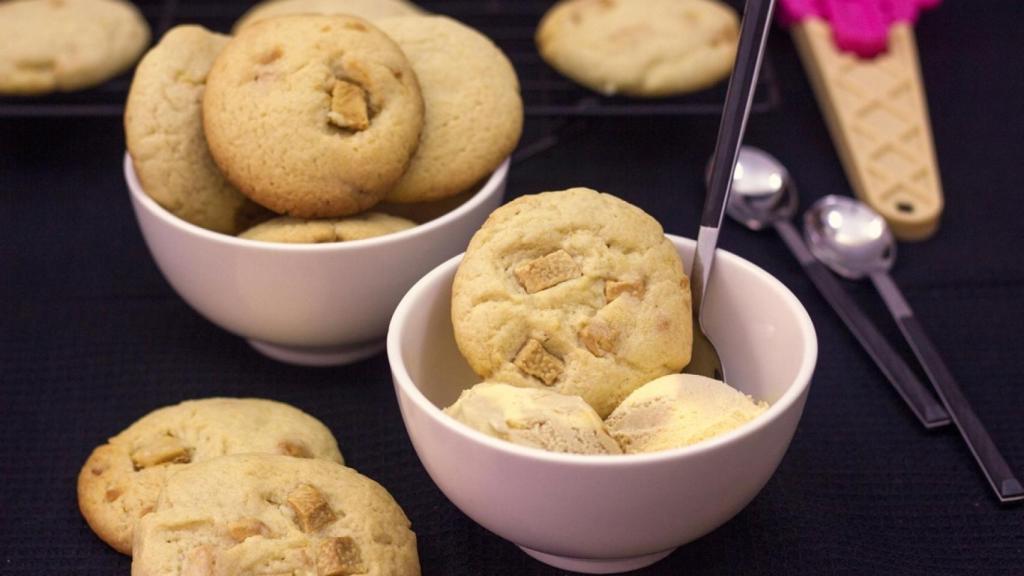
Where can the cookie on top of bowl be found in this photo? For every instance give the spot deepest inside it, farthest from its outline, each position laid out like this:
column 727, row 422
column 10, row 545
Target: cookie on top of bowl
column 67, row 45
column 643, row 48
column 575, row 291
column 473, row 113
column 367, row 9
column 122, row 479
column 312, row 116
column 164, row 133
column 267, row 514
column 318, row 118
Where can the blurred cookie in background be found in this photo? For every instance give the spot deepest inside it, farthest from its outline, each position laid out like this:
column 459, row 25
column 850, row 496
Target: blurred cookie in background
column 643, row 48
column 67, row 45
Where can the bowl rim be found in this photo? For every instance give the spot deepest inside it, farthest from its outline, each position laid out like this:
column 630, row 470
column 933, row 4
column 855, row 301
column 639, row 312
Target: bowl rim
column 404, row 384
column 491, row 186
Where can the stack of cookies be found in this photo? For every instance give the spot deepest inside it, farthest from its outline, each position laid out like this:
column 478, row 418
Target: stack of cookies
column 238, row 487
column 298, row 127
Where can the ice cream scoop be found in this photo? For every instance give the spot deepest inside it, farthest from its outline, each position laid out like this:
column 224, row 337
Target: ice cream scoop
column 533, row 417
column 679, row 410
column 861, row 59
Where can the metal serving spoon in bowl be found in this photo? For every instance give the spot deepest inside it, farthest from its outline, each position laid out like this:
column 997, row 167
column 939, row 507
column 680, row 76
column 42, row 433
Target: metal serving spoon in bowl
column 757, row 19
column 855, row 241
column 763, row 196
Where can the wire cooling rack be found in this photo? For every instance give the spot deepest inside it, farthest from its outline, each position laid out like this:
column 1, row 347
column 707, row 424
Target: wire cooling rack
column 510, row 23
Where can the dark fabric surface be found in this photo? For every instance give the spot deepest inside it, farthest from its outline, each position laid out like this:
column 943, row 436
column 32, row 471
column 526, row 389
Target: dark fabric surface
column 92, row 337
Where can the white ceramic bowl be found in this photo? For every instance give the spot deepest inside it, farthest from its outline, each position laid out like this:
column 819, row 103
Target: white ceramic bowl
column 602, row 514
column 312, row 304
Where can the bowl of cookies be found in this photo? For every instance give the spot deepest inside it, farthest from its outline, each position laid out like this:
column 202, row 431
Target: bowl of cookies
column 538, row 376
column 294, row 180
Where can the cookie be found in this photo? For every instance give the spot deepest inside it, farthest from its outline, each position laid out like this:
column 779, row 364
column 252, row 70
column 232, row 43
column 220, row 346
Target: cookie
column 575, row 291
column 312, row 116
column 67, row 45
column 640, row 47
column 121, row 480
column 299, row 231
column 473, row 111
column 251, row 514
column 163, row 128
column 367, row 9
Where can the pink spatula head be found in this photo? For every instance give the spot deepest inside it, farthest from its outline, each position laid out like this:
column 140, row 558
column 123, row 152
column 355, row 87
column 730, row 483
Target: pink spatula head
column 858, row 26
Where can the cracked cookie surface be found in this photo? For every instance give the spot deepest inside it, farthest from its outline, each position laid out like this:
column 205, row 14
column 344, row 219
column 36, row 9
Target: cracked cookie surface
column 473, row 110
column 122, row 479
column 312, row 116
column 261, row 514
column 163, row 127
column 575, row 291
column 66, row 45
column 640, row 47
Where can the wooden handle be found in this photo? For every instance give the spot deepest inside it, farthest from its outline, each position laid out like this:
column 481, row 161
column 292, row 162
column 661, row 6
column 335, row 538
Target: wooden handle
column 878, row 118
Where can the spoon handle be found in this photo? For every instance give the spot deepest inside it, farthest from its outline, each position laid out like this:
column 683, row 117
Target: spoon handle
column 757, row 17
column 907, row 385
column 999, row 474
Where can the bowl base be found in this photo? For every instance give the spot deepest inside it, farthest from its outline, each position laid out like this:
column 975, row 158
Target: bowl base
column 311, row 356
column 597, row 565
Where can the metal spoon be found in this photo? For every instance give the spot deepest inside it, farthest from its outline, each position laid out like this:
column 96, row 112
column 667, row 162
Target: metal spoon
column 854, row 241
column 757, row 19
column 764, row 195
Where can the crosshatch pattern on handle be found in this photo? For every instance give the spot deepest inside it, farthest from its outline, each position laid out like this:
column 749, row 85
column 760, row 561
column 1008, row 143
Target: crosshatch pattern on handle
column 878, row 115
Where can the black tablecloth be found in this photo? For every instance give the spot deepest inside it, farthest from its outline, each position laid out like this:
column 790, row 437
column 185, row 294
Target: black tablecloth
column 92, row 337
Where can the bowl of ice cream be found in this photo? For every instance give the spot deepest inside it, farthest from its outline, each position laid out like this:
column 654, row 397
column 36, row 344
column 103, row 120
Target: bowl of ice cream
column 608, row 512
column 311, row 304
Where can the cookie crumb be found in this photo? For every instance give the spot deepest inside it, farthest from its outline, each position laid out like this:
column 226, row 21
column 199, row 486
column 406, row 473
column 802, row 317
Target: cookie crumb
column 244, row 528
column 161, row 451
column 311, row 510
column 547, row 271
column 348, row 106
column 536, row 361
column 615, row 288
column 198, row 562
column 339, row 557
column 599, row 338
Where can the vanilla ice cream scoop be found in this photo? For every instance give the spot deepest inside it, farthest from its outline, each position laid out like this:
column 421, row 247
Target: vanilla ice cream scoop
column 534, row 417
column 678, row 410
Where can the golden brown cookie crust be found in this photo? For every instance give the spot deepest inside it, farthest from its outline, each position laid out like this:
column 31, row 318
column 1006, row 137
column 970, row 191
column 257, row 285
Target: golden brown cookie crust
column 575, row 291
column 284, row 109
column 122, row 479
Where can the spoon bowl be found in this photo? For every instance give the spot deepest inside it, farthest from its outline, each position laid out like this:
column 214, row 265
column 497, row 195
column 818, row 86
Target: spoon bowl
column 849, row 237
column 764, row 196
column 762, row 191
